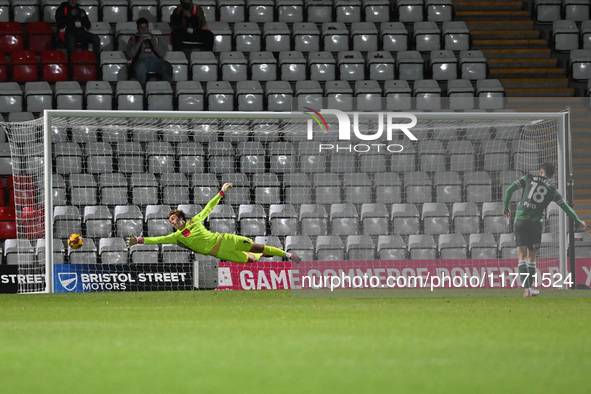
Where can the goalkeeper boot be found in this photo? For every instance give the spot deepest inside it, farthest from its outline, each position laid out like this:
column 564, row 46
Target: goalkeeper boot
column 295, row 258
column 531, row 293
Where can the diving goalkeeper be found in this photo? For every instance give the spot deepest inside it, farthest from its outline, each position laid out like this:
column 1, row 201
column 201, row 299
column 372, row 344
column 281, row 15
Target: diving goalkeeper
column 194, row 236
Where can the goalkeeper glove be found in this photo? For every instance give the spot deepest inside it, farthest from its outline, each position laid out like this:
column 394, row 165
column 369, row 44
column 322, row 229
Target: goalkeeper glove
column 131, row 240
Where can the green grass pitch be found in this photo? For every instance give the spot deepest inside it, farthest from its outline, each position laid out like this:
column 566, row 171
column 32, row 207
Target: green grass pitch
column 269, row 342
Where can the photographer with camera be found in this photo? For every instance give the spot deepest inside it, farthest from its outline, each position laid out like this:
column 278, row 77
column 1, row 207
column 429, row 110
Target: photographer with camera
column 72, row 25
column 189, row 25
column 147, row 55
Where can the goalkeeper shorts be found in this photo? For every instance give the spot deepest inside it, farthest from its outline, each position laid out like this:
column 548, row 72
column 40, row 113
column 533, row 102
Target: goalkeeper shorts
column 234, row 247
column 528, row 233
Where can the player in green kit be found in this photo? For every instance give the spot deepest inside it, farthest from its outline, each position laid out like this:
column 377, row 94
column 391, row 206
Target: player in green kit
column 194, row 236
column 538, row 193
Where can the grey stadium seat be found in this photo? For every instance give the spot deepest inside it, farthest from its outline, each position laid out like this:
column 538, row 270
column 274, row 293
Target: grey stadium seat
column 174, row 189
column 466, row 218
column 144, row 189
column 297, row 188
column 435, row 218
column 144, row 254
column 344, row 219
column 128, row 220
column 374, row 219
column 360, row 247
column 156, row 220
column 452, row 246
column 87, row 254
column 252, row 220
column 222, row 219
column 300, row 245
column 113, row 189
column 493, row 220
column 66, row 220
column 191, row 157
column 357, row 188
column 283, row 219
column 267, row 189
column 329, row 248
column 478, row 186
column 448, row 186
column 83, row 189
column 482, row 246
column 313, row 219
column 391, row 247
column 327, row 188
column 387, row 187
column 418, row 187
column 422, row 247
column 507, row 246
column 98, row 221
column 405, row 219
column 205, row 187
column 113, row 251
column 241, row 190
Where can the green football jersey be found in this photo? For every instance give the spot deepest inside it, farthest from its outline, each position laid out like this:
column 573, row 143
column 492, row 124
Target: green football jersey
column 538, row 193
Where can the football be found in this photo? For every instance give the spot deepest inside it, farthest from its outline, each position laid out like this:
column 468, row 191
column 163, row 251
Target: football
column 75, row 241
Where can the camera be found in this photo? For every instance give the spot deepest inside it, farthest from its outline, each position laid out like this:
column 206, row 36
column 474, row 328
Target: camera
column 186, row 6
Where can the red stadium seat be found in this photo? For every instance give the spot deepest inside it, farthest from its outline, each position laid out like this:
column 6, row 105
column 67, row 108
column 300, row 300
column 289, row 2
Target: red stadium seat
column 40, row 36
column 7, row 223
column 7, row 213
column 26, row 193
column 54, row 66
column 25, row 67
column 32, row 223
column 11, row 37
column 3, row 68
column 83, row 66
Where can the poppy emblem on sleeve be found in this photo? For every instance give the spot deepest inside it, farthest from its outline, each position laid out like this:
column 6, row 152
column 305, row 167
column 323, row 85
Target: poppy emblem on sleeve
column 186, row 232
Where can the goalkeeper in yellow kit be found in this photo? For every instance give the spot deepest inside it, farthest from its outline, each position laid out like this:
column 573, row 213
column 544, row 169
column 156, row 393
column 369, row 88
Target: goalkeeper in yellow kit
column 194, row 236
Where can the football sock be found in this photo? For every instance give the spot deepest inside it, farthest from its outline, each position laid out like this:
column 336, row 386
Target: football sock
column 272, row 251
column 523, row 271
column 531, row 268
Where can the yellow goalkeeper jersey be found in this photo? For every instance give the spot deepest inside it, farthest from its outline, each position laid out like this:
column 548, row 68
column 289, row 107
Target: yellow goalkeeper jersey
column 194, row 236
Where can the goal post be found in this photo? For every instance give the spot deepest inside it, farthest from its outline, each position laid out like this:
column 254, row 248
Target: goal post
column 530, row 139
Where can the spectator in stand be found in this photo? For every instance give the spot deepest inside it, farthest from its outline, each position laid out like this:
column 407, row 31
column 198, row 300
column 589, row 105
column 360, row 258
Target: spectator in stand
column 73, row 24
column 189, row 25
column 147, row 54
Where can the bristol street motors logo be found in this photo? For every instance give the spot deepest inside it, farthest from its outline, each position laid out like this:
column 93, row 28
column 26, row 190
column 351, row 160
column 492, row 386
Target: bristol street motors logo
column 68, row 280
column 381, row 122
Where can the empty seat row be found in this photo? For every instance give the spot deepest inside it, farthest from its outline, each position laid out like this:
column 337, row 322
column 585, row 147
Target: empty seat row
column 251, row 157
column 233, row 11
column 567, row 36
column 293, row 219
column 295, row 188
column 549, row 11
column 112, row 250
column 251, row 96
column 53, row 66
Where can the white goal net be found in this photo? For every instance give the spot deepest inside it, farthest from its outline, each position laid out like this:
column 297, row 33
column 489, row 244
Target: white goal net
column 299, row 185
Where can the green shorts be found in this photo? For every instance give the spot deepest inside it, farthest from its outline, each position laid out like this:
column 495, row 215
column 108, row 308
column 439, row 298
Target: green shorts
column 528, row 233
column 234, row 247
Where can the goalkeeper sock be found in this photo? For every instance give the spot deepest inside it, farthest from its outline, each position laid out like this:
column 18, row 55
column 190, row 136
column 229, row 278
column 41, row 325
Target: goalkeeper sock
column 523, row 273
column 531, row 269
column 272, row 251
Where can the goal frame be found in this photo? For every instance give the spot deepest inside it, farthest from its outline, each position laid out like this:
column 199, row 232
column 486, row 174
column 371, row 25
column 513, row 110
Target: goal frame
column 561, row 119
